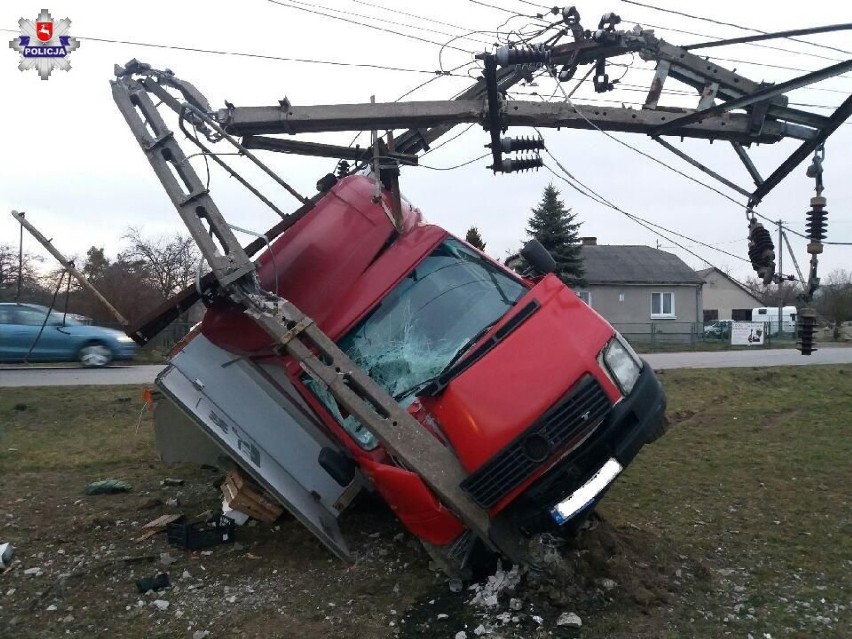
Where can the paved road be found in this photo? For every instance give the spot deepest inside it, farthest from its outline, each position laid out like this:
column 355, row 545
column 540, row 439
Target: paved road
column 34, row 376
column 743, row 359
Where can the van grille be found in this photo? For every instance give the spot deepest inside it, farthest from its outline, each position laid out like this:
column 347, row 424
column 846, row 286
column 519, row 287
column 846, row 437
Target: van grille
column 574, row 416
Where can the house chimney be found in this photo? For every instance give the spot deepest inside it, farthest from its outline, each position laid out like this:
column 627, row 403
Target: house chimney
column 589, row 241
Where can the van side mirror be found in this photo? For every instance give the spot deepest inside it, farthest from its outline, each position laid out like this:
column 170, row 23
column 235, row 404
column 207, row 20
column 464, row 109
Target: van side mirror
column 538, row 257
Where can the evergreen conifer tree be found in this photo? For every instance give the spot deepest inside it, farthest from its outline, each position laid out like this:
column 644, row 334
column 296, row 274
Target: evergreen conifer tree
column 557, row 229
column 474, row 238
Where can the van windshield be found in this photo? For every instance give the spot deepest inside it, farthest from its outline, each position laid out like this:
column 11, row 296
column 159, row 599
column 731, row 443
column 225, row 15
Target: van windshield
column 419, row 326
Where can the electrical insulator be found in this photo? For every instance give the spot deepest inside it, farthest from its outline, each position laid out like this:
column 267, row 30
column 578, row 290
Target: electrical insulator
column 535, row 55
column 817, row 224
column 342, row 169
column 761, row 251
column 508, row 145
column 524, row 164
column 805, row 329
column 570, row 15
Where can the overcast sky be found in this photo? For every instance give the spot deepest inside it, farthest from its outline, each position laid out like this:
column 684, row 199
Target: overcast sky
column 69, row 160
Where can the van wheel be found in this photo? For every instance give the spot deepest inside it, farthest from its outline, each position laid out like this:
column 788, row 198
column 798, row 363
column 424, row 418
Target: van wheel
column 94, row 355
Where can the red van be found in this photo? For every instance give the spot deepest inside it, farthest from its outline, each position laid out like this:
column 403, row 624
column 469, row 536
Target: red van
column 540, row 399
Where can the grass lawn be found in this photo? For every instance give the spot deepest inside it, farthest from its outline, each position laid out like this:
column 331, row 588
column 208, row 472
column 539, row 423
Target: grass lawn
column 737, row 522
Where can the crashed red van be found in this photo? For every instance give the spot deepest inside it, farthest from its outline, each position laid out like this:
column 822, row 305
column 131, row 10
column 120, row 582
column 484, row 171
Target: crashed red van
column 540, row 399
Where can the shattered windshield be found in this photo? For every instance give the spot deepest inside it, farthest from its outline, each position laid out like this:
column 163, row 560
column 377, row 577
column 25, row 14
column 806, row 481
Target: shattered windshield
column 420, row 325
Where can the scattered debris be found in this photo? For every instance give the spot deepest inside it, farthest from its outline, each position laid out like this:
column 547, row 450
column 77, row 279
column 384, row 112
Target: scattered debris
column 570, row 619
column 197, row 535
column 166, row 559
column 35, row 571
column 157, row 525
column 242, row 494
column 516, row 604
column 461, row 634
column 239, row 517
column 7, row 551
column 107, row 487
column 160, row 604
column 501, row 582
column 609, row 584
column 170, row 481
column 157, row 582
column 19, row 407
column 456, row 585
column 200, row 634
column 173, row 502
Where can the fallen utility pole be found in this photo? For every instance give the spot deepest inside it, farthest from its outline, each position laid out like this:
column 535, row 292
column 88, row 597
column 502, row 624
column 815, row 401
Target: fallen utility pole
column 69, row 266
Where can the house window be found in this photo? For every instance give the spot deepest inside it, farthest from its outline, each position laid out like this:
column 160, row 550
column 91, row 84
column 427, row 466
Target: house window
column 586, row 296
column 662, row 305
column 711, row 315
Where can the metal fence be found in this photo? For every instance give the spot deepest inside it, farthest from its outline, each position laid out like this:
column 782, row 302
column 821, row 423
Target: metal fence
column 689, row 334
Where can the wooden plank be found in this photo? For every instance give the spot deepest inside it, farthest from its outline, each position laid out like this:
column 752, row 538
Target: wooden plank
column 162, row 521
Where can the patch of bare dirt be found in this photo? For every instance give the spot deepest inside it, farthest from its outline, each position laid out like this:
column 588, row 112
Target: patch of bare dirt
column 79, row 557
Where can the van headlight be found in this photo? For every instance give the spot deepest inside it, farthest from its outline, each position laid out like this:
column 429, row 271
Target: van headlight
column 623, row 363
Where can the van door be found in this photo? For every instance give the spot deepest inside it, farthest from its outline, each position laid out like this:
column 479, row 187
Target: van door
column 262, row 424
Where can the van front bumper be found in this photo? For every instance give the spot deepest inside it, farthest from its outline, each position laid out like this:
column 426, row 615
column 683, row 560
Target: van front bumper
column 636, row 420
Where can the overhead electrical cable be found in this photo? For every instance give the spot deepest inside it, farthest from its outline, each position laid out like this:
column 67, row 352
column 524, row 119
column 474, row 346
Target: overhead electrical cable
column 712, row 39
column 600, row 199
column 504, row 10
column 731, row 24
column 261, row 56
column 412, row 15
column 381, row 19
column 410, row 36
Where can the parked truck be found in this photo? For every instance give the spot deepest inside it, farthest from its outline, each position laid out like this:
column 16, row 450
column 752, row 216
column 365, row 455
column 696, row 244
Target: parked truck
column 769, row 315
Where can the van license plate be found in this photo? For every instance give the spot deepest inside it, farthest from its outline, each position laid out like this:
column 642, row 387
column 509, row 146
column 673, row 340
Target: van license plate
column 585, row 494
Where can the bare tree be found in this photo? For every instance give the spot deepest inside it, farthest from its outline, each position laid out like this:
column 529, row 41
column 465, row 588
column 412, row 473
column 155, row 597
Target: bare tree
column 11, row 270
column 783, row 294
column 169, row 262
column 833, row 299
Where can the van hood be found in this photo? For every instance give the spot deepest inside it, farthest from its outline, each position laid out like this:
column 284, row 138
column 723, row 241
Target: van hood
column 501, row 395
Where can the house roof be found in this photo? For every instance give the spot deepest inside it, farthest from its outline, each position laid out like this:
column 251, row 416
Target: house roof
column 616, row 264
column 704, row 273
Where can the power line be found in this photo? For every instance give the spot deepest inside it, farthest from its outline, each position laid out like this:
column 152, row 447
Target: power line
column 362, row 24
column 260, row 56
column 386, row 20
column 504, row 10
column 597, row 197
column 731, row 24
column 412, row 15
column 635, row 218
column 533, row 4
column 457, row 166
column 751, row 44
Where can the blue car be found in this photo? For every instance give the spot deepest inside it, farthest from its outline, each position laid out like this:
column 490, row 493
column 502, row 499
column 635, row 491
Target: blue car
column 68, row 340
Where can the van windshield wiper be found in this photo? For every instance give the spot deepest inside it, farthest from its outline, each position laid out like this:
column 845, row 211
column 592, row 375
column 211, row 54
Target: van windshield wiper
column 461, row 351
column 455, row 368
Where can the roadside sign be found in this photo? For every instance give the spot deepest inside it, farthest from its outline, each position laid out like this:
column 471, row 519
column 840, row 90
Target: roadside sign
column 747, row 333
